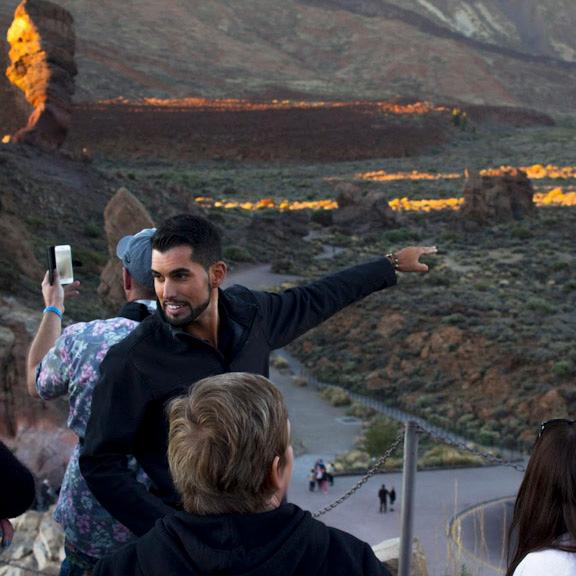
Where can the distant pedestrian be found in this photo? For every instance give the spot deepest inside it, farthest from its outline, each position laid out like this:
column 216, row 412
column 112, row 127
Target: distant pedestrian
column 392, row 497
column 383, row 497
column 330, row 473
column 321, row 476
column 312, row 480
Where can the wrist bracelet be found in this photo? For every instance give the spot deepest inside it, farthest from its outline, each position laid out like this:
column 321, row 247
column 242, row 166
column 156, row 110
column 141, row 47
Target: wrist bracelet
column 54, row 309
column 393, row 260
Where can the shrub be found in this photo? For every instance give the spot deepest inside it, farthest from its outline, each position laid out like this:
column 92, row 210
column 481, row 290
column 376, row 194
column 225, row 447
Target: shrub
column 92, row 230
column 539, row 305
column 361, row 411
column 280, row 363
column 379, row 436
column 300, row 381
column 448, row 456
column 237, row 254
column 564, row 369
column 336, row 396
column 401, row 235
column 353, row 461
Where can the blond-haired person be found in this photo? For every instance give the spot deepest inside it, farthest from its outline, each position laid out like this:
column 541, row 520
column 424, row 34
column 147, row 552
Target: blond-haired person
column 231, row 460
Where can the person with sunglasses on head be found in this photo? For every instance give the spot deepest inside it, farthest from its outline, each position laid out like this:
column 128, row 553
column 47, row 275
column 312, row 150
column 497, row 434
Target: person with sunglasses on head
column 544, row 522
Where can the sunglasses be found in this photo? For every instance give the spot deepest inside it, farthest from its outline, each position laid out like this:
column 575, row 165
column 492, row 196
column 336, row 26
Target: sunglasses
column 554, row 422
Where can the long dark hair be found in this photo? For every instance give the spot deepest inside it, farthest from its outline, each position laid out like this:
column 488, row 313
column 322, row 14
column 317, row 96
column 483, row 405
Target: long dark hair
column 545, row 507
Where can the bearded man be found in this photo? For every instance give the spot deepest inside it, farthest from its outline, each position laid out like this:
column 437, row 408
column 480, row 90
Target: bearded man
column 199, row 331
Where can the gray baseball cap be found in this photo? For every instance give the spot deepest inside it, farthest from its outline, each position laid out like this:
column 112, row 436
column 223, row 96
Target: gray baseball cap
column 135, row 252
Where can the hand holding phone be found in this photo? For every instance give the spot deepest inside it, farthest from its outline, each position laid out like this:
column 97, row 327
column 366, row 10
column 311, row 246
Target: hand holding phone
column 60, row 259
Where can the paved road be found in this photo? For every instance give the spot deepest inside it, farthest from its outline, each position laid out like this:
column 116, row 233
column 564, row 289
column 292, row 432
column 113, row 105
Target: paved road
column 321, row 430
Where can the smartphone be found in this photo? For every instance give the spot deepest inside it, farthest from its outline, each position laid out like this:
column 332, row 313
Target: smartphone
column 60, row 258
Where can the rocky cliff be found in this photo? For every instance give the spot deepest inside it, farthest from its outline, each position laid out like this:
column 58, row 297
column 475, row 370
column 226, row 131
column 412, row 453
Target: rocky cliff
column 529, row 26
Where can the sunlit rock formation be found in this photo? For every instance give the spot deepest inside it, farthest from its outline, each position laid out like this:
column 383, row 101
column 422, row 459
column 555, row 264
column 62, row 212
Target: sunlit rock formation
column 361, row 211
column 124, row 214
column 42, row 44
column 503, row 195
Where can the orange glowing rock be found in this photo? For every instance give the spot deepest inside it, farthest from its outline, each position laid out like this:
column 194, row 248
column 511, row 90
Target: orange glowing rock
column 383, row 176
column 535, row 172
column 42, row 44
column 555, row 197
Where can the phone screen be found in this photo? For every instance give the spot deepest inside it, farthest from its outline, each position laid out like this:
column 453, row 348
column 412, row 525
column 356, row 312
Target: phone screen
column 60, row 257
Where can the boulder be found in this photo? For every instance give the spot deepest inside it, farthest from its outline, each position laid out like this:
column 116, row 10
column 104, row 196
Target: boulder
column 38, row 545
column 506, row 194
column 42, row 45
column 124, row 214
column 360, row 211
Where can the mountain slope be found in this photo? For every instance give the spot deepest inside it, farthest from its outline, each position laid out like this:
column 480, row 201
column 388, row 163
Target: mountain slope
column 335, row 49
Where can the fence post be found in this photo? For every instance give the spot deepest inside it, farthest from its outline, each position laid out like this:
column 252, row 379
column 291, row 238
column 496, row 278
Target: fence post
column 408, row 485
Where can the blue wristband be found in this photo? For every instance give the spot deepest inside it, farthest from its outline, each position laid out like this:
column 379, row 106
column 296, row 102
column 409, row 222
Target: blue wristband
column 56, row 311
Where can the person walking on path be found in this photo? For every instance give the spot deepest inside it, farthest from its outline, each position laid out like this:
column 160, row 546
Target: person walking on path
column 383, row 498
column 330, row 473
column 231, row 459
column 200, row 331
column 312, row 480
column 67, row 363
column 392, row 497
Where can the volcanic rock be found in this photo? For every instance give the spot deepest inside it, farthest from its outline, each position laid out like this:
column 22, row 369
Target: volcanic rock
column 361, row 211
column 38, row 545
column 42, row 44
column 505, row 195
column 124, row 214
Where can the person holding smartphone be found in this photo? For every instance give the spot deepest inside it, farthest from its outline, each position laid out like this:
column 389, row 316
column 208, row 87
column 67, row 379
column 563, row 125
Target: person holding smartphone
column 67, row 363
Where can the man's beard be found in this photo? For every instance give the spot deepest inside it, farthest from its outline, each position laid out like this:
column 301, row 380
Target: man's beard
column 193, row 315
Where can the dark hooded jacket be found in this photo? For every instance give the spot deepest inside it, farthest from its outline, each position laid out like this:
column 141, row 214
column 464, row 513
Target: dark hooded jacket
column 286, row 541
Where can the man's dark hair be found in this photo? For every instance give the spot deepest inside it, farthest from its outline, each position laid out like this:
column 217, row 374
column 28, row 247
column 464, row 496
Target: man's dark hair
column 190, row 230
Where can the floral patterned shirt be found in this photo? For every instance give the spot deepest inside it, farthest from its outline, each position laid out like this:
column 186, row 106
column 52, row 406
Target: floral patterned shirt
column 72, row 367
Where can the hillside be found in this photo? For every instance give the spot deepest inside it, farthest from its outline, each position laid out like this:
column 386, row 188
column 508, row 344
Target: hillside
column 337, row 49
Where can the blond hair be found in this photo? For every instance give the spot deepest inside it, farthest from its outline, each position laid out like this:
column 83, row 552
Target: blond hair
column 223, row 439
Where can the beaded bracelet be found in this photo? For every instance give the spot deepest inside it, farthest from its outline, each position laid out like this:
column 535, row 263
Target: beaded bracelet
column 393, row 260
column 56, row 311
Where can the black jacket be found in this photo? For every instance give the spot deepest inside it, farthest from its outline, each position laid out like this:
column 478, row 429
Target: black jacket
column 17, row 494
column 284, row 542
column 154, row 364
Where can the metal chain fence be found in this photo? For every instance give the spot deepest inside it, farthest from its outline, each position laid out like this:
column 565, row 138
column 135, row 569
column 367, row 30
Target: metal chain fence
column 374, row 470
column 465, row 447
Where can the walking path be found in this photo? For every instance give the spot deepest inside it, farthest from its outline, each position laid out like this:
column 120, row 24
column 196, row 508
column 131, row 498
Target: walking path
column 322, row 431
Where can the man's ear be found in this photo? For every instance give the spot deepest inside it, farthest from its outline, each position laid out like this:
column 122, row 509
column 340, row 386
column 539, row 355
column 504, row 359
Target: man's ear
column 126, row 280
column 275, row 476
column 217, row 273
